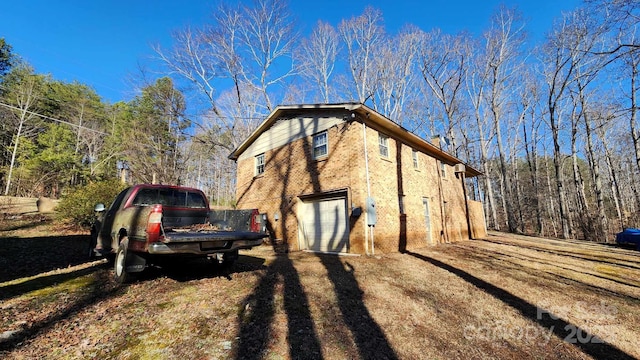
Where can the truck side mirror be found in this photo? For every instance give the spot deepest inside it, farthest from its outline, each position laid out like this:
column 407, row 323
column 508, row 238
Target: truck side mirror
column 99, row 207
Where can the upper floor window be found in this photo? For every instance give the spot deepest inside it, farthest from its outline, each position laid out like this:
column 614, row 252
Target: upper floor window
column 414, row 156
column 383, row 141
column 259, row 164
column 443, row 169
column 320, row 145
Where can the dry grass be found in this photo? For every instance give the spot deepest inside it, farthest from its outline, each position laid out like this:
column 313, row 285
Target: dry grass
column 12, row 205
column 474, row 299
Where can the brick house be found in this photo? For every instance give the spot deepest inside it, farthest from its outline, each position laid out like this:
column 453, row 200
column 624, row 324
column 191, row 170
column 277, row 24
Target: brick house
column 323, row 174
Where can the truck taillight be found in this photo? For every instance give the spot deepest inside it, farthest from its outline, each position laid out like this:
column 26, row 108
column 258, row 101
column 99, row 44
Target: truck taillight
column 257, row 221
column 154, row 224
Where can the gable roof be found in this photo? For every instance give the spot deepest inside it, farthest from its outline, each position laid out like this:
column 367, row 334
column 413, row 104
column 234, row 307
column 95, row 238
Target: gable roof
column 362, row 113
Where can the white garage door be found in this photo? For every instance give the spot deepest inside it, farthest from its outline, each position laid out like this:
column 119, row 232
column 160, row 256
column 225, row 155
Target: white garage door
column 324, row 225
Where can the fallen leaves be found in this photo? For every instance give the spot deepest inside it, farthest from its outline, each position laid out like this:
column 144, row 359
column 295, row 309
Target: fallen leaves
column 270, row 305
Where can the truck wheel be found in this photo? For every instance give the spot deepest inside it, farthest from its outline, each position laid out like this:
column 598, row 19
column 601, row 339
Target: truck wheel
column 120, row 264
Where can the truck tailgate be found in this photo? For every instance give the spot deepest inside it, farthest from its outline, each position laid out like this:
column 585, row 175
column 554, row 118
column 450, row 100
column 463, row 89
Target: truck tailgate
column 201, row 236
column 205, row 242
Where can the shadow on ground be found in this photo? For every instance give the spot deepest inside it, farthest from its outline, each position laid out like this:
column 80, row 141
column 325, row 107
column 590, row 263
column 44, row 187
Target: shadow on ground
column 44, row 281
column 561, row 328
column 101, row 288
column 24, row 257
column 259, row 311
column 183, row 270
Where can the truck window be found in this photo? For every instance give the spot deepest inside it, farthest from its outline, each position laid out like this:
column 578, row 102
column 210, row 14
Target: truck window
column 118, row 201
column 166, row 197
column 145, row 197
column 195, row 200
column 170, row 197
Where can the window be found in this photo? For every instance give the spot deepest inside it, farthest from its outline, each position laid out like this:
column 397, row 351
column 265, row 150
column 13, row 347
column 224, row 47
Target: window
column 320, row 145
column 259, row 164
column 443, row 169
column 383, row 141
column 115, row 205
column 146, row 197
column 195, row 200
column 414, row 156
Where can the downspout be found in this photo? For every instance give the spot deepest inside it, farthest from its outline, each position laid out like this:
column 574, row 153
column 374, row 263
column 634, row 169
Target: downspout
column 466, row 205
column 442, row 202
column 366, row 169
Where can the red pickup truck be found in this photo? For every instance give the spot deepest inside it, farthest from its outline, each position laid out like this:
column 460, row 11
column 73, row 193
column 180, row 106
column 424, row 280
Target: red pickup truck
column 146, row 222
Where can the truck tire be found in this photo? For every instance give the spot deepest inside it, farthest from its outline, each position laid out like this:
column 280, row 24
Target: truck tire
column 120, row 264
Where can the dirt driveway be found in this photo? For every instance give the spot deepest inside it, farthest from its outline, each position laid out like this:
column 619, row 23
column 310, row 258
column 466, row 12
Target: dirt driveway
column 503, row 297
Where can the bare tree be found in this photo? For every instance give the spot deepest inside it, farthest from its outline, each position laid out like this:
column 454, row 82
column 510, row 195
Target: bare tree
column 504, row 41
column 605, row 128
column 318, row 55
column 588, row 64
column 268, row 34
column 621, row 18
column 476, row 84
column 631, row 72
column 532, row 136
column 443, row 64
column 361, row 36
column 197, row 59
column 22, row 98
column 395, row 65
column 247, row 46
column 242, row 44
column 560, row 59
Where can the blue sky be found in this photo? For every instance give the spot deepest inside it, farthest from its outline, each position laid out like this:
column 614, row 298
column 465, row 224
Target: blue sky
column 101, row 42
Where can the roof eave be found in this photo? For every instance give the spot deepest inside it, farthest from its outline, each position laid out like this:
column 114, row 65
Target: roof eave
column 412, row 139
column 368, row 115
column 275, row 114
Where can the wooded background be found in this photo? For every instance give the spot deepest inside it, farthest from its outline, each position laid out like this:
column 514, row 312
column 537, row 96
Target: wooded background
column 553, row 125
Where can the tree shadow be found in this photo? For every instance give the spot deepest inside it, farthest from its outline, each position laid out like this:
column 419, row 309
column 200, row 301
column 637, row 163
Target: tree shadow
column 550, row 275
column 102, row 288
column 556, row 264
column 258, row 312
column 41, row 282
column 23, row 221
column 198, row 268
column 594, row 258
column 559, row 327
column 369, row 337
column 24, row 257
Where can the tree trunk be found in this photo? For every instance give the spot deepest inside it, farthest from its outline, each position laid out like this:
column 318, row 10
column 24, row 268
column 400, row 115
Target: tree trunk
column 23, row 115
column 532, row 162
column 559, row 176
column 597, row 181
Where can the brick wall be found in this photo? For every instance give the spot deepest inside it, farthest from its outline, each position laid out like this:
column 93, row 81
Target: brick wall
column 291, row 172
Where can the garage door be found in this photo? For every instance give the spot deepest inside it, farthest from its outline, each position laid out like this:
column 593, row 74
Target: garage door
column 324, row 225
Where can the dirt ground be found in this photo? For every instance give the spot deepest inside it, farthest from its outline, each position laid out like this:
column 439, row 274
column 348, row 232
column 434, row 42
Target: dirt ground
column 505, row 297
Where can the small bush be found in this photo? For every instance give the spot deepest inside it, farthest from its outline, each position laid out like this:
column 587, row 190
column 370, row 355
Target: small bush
column 76, row 208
